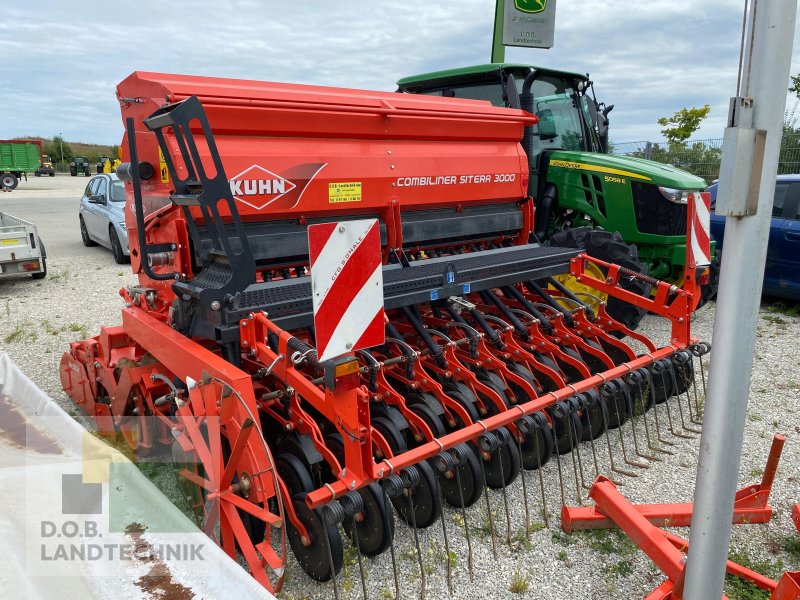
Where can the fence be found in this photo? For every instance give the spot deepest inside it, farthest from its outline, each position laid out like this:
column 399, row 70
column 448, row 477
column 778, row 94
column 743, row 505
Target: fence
column 702, row 157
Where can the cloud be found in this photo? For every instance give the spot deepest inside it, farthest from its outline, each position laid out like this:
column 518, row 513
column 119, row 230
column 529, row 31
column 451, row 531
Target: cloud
column 649, row 59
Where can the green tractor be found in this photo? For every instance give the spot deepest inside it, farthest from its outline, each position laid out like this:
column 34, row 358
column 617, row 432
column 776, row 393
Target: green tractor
column 620, row 209
column 79, row 164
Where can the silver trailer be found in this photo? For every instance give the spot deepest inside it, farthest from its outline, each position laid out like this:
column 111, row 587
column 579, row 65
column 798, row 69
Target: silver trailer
column 21, row 250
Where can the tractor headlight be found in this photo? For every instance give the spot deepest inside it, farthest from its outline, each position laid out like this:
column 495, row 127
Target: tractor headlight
column 673, row 195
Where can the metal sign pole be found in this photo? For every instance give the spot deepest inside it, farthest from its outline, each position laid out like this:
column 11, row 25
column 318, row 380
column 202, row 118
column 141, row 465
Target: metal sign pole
column 498, row 48
column 765, row 80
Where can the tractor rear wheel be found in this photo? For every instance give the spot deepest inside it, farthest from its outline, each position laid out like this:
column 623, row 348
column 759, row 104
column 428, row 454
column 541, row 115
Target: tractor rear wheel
column 609, row 247
column 709, row 290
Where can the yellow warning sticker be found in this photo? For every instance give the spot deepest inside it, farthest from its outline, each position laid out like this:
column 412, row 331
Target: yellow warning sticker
column 345, row 191
column 162, row 164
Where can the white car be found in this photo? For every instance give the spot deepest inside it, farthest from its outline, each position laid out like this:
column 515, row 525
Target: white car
column 102, row 215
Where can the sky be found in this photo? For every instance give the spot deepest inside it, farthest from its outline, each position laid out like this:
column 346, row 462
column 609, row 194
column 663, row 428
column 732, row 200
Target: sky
column 63, row 59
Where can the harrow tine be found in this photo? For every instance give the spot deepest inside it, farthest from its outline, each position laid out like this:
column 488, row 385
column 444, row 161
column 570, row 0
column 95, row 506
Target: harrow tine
column 679, row 397
column 503, row 436
column 411, row 479
column 651, row 385
column 393, row 486
column 541, row 421
column 458, row 455
column 610, row 389
column 666, row 403
column 524, row 426
column 486, row 494
column 333, row 515
column 632, row 379
column 445, row 464
column 687, row 370
column 591, row 398
column 353, row 504
column 560, row 477
column 698, row 351
column 641, row 376
column 576, row 453
column 607, row 435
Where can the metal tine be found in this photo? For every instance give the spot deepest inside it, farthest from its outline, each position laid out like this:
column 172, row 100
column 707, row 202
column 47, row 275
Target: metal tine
column 393, row 486
column 574, row 405
column 411, row 480
column 655, row 415
column 625, row 394
column 679, row 396
column 698, row 350
column 503, row 437
column 664, row 369
column 524, row 427
column 333, row 514
column 354, row 504
column 459, row 456
column 541, row 421
column 590, row 399
column 607, row 435
column 445, row 463
column 488, row 503
column 611, row 388
column 641, row 377
column 687, row 368
column 633, row 378
column 560, row 474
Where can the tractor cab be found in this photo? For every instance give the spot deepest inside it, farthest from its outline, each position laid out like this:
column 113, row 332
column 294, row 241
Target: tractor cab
column 569, row 117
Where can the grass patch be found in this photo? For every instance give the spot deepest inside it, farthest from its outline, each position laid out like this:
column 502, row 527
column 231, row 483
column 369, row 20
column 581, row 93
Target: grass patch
column 623, row 568
column 21, row 332
column 562, row 555
column 791, row 545
column 520, row 583
column 739, row 589
column 563, row 539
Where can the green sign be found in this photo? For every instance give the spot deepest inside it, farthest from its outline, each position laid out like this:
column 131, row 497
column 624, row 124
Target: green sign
column 529, row 23
column 530, row 6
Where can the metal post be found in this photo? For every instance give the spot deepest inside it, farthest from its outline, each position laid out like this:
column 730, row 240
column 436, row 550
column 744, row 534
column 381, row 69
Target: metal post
column 498, row 49
column 766, row 74
column 61, row 141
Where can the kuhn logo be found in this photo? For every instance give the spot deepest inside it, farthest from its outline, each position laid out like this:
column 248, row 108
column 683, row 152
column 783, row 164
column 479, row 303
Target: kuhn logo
column 257, row 187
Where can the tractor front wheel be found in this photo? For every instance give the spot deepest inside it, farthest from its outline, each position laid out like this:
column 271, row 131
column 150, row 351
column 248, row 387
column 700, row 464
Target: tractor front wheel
column 609, row 247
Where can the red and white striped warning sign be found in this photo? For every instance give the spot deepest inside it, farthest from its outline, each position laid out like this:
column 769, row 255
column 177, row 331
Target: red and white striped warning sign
column 347, row 286
column 698, row 226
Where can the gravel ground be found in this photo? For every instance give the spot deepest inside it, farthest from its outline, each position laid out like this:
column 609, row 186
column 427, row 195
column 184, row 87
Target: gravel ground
column 39, row 319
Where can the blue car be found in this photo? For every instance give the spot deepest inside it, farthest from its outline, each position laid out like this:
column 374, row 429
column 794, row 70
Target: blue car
column 782, row 269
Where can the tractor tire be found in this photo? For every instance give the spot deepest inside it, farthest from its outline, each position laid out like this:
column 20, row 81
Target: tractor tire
column 53, row 174
column 709, row 290
column 73, row 172
column 9, row 180
column 610, row 247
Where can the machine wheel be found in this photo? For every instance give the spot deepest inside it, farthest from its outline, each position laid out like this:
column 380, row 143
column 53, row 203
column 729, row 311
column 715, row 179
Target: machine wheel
column 313, row 556
column 87, row 241
column 294, row 474
column 426, row 495
column 136, row 426
column 53, row 174
column 43, row 273
column 116, row 246
column 223, row 457
column 563, row 441
column 375, row 522
column 609, row 247
column 73, row 172
column 593, row 421
column 9, row 180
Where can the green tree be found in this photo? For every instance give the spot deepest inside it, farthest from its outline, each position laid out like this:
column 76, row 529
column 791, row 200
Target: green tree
column 795, row 87
column 679, row 127
column 53, row 149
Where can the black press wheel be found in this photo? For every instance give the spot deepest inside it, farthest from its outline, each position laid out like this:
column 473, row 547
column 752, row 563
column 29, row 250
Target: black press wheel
column 116, row 246
column 610, row 247
column 87, row 241
column 375, row 523
column 537, row 447
column 294, row 474
column 313, row 556
column 425, row 495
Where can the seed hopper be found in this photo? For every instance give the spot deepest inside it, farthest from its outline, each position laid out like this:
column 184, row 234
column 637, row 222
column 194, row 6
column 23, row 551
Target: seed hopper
column 489, row 366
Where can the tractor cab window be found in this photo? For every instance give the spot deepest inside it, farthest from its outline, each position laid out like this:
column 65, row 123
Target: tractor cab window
column 565, row 120
column 491, row 92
